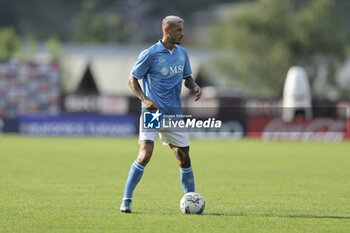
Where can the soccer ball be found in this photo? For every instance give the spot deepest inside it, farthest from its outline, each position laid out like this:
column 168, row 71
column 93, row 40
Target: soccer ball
column 192, row 203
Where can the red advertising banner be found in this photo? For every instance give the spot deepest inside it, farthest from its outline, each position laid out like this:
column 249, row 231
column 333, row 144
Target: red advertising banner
column 317, row 129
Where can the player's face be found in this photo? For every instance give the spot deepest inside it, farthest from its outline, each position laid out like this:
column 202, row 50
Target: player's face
column 175, row 33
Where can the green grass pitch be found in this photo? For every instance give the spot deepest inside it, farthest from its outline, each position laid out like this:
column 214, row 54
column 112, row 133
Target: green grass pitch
column 76, row 185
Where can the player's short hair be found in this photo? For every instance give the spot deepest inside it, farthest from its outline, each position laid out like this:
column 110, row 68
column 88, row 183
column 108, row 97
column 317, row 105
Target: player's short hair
column 171, row 20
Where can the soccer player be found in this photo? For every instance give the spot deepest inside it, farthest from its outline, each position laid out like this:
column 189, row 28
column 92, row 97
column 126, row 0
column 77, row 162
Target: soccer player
column 163, row 68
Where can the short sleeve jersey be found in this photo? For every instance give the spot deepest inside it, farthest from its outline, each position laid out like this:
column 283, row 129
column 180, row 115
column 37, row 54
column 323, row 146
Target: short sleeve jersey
column 162, row 72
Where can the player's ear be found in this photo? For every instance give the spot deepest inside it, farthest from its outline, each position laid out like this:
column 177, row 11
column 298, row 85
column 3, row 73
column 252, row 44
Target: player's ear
column 166, row 29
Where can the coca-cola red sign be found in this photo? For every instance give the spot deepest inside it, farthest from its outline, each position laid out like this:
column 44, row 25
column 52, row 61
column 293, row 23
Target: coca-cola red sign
column 317, row 129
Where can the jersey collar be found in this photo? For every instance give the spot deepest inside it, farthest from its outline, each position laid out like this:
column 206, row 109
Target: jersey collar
column 163, row 49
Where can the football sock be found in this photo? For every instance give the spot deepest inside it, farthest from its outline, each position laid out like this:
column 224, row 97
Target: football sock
column 187, row 179
column 135, row 174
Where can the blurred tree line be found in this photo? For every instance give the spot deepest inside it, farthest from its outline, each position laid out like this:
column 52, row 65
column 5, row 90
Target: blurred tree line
column 263, row 39
column 11, row 47
column 9, row 43
column 92, row 20
column 31, row 22
column 259, row 39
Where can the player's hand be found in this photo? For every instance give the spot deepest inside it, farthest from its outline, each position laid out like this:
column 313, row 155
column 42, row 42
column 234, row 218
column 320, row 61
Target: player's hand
column 150, row 105
column 197, row 92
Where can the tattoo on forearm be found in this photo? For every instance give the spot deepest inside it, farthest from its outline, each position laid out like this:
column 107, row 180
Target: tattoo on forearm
column 190, row 83
column 136, row 88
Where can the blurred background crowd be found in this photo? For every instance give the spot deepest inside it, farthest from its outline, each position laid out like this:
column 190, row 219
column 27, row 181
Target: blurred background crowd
column 62, row 57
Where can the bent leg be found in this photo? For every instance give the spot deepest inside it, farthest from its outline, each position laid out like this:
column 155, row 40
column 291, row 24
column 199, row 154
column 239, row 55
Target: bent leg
column 137, row 168
column 186, row 174
column 145, row 152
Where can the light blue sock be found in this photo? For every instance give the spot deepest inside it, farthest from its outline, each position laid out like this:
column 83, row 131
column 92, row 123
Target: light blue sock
column 187, row 179
column 135, row 174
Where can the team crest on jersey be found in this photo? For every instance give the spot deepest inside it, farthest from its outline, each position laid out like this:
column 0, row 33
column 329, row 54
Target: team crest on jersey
column 165, row 71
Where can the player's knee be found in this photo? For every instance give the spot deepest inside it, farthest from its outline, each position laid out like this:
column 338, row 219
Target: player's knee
column 184, row 157
column 186, row 162
column 145, row 152
column 144, row 156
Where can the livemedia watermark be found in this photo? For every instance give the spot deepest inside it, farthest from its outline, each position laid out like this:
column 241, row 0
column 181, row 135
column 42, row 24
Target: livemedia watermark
column 246, row 120
column 159, row 121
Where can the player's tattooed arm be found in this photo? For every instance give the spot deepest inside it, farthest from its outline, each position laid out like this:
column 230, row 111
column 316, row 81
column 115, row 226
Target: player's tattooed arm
column 193, row 86
column 136, row 88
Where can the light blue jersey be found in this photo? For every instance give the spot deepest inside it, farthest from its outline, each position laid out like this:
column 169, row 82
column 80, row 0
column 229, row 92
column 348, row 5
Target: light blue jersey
column 162, row 72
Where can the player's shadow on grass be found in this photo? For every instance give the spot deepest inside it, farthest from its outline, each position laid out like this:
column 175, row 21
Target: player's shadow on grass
column 278, row 216
column 312, row 216
column 266, row 215
column 227, row 214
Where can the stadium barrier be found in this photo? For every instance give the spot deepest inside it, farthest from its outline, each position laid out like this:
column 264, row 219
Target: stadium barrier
column 77, row 125
column 316, row 129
